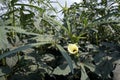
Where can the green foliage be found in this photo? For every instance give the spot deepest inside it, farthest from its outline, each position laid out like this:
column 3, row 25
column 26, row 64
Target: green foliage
column 66, row 56
column 11, row 60
column 60, row 69
column 3, row 38
column 33, row 42
column 84, row 75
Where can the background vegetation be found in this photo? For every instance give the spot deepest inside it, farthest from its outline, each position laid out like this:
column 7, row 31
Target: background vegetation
column 34, row 39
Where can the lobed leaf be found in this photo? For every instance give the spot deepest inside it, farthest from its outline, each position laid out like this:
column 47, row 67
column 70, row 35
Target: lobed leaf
column 62, row 70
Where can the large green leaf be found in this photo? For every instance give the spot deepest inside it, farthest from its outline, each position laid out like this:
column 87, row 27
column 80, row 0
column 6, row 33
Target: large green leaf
column 62, row 70
column 20, row 30
column 66, row 56
column 22, row 48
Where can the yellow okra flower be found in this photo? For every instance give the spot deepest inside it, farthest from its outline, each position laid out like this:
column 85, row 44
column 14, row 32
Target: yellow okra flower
column 72, row 48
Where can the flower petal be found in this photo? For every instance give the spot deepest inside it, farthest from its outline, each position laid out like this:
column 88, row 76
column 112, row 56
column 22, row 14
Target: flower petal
column 72, row 48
